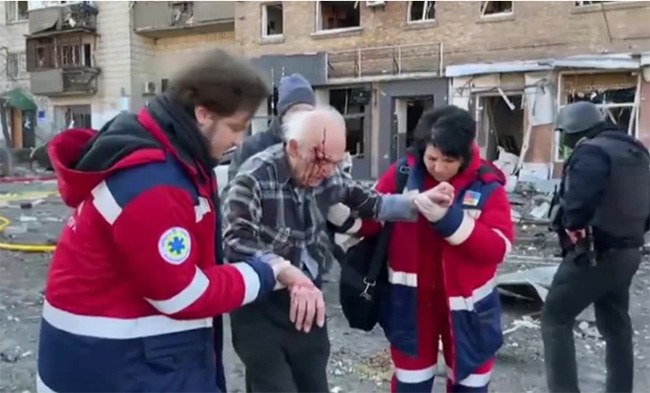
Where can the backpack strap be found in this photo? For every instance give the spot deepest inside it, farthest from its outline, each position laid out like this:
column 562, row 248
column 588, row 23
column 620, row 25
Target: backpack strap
column 380, row 256
column 402, row 174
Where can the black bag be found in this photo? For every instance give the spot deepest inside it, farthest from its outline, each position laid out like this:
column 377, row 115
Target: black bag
column 364, row 271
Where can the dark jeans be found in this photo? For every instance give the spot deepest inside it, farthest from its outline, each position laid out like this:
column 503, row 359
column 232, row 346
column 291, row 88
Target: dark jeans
column 574, row 288
column 278, row 358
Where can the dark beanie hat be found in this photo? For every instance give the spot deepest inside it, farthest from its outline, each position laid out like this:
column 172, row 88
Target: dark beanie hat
column 294, row 89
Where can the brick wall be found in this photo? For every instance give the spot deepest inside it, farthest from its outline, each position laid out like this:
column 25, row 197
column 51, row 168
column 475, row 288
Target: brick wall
column 169, row 53
column 537, row 30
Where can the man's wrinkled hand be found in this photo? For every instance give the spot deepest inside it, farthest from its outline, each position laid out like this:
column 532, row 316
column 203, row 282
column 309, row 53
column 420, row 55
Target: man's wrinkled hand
column 291, row 276
column 307, row 304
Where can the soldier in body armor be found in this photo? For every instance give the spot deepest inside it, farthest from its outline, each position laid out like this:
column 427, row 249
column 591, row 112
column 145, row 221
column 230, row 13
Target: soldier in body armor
column 604, row 207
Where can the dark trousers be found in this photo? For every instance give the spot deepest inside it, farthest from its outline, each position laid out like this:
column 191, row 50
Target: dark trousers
column 574, row 288
column 282, row 359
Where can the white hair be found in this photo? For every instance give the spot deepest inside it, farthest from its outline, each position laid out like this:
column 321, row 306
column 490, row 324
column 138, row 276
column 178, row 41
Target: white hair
column 295, row 126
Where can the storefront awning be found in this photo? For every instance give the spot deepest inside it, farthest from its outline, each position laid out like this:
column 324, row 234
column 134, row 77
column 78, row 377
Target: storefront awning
column 19, row 99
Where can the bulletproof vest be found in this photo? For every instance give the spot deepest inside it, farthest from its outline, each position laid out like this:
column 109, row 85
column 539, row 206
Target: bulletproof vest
column 626, row 203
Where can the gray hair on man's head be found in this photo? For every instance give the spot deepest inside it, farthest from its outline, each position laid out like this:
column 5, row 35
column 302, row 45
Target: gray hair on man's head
column 295, row 126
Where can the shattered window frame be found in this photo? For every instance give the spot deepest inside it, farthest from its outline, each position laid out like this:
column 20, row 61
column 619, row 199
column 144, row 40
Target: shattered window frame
column 319, row 18
column 484, row 9
column 428, row 7
column 181, row 13
column 353, row 111
column 265, row 20
column 14, row 13
column 590, row 3
column 561, row 152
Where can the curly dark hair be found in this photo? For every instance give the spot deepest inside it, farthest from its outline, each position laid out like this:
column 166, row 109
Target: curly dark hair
column 450, row 129
column 221, row 81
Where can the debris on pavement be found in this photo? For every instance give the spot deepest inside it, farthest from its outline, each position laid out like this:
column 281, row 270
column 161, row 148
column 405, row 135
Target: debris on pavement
column 589, row 330
column 525, row 322
column 521, row 282
column 377, row 368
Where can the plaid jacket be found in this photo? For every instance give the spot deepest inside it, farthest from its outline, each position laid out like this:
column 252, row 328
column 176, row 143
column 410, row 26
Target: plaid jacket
column 265, row 212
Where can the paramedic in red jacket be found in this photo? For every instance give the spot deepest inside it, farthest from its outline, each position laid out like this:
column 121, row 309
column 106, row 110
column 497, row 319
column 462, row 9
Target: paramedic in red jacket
column 442, row 269
column 137, row 276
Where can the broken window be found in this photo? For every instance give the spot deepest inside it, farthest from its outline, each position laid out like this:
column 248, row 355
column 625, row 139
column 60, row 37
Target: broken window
column 13, row 65
column 587, row 3
column 422, row 11
column 613, row 92
column 39, row 54
column 69, row 55
column 88, row 55
column 501, row 125
column 338, row 15
column 351, row 103
column 272, row 20
column 72, row 116
column 182, row 13
column 489, row 8
column 17, row 10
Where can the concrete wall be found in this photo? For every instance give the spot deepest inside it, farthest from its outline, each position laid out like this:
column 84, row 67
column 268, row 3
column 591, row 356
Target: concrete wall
column 171, row 53
column 12, row 37
column 536, row 30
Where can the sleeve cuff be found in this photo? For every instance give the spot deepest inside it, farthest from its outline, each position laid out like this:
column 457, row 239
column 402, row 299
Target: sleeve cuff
column 396, row 208
column 456, row 226
column 258, row 276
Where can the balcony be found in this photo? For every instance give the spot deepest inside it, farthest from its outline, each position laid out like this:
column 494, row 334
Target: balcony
column 386, row 62
column 64, row 82
column 160, row 19
column 69, row 18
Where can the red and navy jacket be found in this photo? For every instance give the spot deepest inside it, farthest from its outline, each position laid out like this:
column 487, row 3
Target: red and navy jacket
column 465, row 247
column 135, row 280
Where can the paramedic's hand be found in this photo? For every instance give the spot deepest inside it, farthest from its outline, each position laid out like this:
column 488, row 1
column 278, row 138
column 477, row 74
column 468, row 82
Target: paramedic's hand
column 442, row 194
column 433, row 212
column 306, row 304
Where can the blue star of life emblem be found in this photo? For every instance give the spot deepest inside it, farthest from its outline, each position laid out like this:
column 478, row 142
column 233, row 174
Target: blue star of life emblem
column 175, row 245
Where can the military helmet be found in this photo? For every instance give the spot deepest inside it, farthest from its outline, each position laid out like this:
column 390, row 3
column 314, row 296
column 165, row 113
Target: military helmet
column 578, row 117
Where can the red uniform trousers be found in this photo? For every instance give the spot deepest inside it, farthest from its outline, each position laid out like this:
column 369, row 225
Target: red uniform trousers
column 416, row 374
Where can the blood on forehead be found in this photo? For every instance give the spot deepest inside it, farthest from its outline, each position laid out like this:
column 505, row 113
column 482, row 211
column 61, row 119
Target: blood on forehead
column 321, row 155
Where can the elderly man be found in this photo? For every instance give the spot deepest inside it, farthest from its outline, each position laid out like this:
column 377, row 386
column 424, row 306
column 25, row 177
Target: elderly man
column 295, row 95
column 277, row 204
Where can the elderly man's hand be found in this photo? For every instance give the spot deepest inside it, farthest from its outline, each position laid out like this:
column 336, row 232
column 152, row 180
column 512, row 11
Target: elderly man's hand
column 290, row 276
column 307, row 301
column 307, row 304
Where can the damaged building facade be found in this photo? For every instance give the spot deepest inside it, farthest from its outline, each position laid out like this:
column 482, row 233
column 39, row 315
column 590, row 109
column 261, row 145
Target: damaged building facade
column 515, row 104
column 82, row 63
column 380, row 63
column 512, row 64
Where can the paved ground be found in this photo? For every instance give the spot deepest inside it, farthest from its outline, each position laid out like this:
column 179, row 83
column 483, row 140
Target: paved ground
column 359, row 362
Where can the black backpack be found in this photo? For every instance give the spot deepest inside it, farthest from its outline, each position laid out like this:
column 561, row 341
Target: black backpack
column 364, row 271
